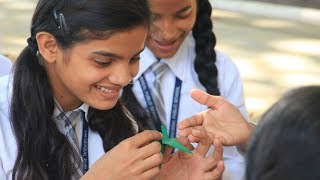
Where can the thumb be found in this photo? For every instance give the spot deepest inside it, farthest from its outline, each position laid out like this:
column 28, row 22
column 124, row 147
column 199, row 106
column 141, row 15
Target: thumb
column 206, row 99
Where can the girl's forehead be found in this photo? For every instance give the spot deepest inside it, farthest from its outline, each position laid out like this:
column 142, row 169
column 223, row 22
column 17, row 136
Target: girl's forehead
column 122, row 42
column 168, row 5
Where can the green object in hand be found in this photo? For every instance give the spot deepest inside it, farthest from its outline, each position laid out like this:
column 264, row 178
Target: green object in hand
column 166, row 140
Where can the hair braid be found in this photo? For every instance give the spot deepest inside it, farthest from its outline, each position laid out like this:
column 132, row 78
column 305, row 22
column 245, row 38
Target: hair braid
column 205, row 43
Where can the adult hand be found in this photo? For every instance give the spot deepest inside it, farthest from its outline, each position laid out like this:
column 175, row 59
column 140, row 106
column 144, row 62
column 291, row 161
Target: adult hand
column 137, row 157
column 181, row 165
column 222, row 120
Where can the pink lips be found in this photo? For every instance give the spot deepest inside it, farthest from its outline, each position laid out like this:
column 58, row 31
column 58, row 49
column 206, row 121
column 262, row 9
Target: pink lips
column 165, row 45
column 110, row 95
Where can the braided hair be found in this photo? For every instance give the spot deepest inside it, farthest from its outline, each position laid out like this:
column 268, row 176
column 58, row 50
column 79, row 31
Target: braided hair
column 205, row 42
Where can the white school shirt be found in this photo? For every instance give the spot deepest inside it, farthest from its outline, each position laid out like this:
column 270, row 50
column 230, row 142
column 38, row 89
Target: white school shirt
column 8, row 146
column 182, row 66
column 5, row 65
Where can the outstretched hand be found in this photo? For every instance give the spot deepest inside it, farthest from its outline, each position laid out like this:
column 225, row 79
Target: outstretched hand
column 222, row 120
column 195, row 166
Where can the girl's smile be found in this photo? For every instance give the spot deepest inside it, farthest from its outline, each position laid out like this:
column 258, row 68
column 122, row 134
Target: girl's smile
column 108, row 92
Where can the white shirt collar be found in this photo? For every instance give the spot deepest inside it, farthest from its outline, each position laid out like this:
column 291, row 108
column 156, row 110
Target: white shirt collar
column 57, row 109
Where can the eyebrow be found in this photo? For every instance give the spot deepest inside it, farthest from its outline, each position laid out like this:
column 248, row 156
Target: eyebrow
column 183, row 9
column 178, row 12
column 112, row 55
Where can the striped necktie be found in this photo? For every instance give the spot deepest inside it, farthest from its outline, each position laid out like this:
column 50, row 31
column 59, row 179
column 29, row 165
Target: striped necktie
column 71, row 118
column 159, row 69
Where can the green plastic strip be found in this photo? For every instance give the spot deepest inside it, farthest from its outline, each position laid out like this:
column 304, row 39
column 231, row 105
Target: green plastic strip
column 166, row 140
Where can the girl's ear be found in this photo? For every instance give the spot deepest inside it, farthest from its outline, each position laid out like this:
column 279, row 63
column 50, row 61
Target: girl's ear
column 48, row 47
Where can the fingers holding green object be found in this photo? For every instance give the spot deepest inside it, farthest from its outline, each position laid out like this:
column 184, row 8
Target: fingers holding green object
column 166, row 153
column 150, row 173
column 185, row 142
column 146, row 167
column 144, row 138
column 153, row 161
column 166, row 140
column 147, row 156
column 150, row 149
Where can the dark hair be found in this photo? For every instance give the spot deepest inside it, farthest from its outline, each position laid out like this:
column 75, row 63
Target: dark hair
column 42, row 149
column 286, row 142
column 204, row 63
column 205, row 42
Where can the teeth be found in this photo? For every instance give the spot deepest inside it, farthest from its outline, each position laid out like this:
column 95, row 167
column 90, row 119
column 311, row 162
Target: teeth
column 103, row 89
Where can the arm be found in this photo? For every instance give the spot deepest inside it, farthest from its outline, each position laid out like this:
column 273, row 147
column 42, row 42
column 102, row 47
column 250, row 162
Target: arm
column 222, row 120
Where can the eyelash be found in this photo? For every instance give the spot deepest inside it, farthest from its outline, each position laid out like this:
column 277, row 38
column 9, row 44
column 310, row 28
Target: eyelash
column 105, row 64
column 102, row 64
column 183, row 16
column 134, row 59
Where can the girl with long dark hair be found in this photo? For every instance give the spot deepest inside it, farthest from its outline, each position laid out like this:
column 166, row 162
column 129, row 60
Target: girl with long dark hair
column 181, row 39
column 61, row 117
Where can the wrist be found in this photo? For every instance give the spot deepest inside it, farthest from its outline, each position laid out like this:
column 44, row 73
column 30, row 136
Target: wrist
column 250, row 128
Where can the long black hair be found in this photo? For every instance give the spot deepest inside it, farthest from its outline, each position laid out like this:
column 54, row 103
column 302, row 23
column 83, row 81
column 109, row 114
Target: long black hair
column 42, row 149
column 204, row 63
column 286, row 144
column 205, row 42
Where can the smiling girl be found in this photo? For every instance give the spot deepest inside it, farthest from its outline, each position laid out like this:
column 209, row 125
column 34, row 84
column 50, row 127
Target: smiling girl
column 182, row 43
column 60, row 113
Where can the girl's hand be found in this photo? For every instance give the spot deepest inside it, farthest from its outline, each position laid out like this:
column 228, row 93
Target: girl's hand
column 222, row 120
column 181, row 165
column 137, row 157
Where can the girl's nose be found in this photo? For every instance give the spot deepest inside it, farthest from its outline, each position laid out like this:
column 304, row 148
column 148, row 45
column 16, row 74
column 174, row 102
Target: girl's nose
column 120, row 76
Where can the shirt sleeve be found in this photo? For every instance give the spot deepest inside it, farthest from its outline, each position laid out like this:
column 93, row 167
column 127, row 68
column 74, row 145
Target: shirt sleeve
column 230, row 83
column 8, row 147
column 2, row 174
column 5, row 65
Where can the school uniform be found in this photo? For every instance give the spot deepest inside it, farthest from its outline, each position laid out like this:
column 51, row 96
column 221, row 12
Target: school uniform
column 8, row 144
column 5, row 65
column 181, row 66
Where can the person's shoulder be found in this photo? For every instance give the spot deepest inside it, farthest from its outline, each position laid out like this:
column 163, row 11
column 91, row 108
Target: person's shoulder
column 7, row 139
column 5, row 60
column 4, row 80
column 5, row 65
column 224, row 62
column 5, row 98
column 5, row 88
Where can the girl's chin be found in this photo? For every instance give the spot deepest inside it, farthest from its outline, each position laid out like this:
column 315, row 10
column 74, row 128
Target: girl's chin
column 103, row 106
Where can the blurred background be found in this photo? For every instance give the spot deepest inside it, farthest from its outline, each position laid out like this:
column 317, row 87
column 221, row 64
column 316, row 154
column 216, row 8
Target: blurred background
column 275, row 43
